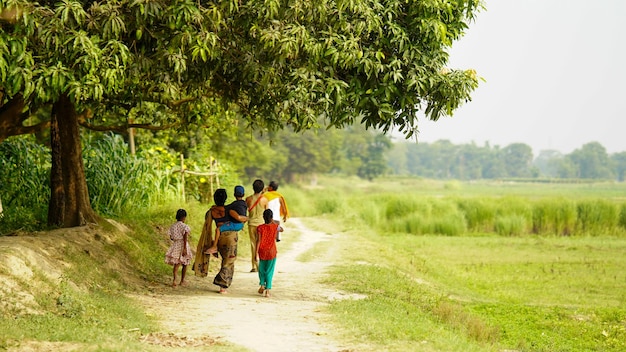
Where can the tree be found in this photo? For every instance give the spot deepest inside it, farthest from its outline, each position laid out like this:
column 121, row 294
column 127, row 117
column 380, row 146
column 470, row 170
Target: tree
column 592, row 161
column 471, row 159
column 518, row 158
column 619, row 160
column 494, row 164
column 97, row 64
column 374, row 163
column 548, row 162
column 310, row 152
column 566, row 168
column 397, row 158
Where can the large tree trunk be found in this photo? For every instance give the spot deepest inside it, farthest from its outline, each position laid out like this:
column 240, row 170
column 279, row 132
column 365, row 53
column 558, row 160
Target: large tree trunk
column 69, row 199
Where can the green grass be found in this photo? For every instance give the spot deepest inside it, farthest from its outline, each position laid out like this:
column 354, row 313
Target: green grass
column 484, row 293
column 408, row 186
column 449, row 282
column 563, row 289
column 88, row 309
column 99, row 320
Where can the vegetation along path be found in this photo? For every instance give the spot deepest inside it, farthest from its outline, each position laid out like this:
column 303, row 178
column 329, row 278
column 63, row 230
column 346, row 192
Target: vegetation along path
column 290, row 320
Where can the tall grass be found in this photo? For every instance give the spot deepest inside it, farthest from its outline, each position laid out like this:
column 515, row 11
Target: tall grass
column 24, row 184
column 597, row 216
column 119, row 182
column 479, row 213
column 415, row 211
column 554, row 216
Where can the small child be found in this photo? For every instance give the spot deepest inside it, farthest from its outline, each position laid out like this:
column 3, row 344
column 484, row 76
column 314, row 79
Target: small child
column 233, row 219
column 266, row 251
column 179, row 252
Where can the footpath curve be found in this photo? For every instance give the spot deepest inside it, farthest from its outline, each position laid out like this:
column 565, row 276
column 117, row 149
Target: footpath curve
column 290, row 320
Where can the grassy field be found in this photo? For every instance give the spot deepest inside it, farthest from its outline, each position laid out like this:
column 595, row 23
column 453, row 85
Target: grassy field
column 474, row 290
column 436, row 262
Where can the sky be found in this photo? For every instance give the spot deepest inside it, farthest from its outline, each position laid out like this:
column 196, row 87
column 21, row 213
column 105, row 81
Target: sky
column 555, row 76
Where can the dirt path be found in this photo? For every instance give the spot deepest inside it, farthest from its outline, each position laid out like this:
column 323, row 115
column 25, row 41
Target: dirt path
column 290, row 320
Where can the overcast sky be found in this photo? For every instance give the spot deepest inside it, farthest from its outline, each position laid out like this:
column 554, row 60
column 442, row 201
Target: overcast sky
column 555, row 74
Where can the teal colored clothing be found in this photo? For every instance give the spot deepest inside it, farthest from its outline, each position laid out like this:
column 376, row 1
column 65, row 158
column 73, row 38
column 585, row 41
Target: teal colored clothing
column 231, row 226
column 266, row 272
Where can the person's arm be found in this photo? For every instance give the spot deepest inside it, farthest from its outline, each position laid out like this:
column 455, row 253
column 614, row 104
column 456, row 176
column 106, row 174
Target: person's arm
column 217, row 236
column 185, row 239
column 283, row 209
column 235, row 215
column 258, row 241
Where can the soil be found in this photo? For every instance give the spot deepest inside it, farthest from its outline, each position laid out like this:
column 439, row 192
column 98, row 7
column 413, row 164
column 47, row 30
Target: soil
column 292, row 319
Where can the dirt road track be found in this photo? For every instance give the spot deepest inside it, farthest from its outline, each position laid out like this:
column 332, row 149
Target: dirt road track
column 290, row 320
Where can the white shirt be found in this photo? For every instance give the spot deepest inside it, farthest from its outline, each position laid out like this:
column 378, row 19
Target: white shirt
column 274, row 205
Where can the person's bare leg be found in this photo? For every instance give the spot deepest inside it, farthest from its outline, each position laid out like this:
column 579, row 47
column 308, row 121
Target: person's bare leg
column 182, row 276
column 174, row 271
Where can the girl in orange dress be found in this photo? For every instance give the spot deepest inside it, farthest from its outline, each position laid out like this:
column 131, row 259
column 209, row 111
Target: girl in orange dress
column 266, row 251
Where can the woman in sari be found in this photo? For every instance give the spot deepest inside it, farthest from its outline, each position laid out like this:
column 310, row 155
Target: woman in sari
column 236, row 213
column 217, row 214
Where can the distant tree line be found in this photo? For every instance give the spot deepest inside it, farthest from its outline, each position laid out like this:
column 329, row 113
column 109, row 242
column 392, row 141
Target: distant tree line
column 444, row 160
column 289, row 156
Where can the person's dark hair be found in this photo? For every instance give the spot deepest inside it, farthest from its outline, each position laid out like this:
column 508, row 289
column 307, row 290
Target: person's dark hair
column 181, row 214
column 258, row 186
column 219, row 197
column 274, row 185
column 268, row 215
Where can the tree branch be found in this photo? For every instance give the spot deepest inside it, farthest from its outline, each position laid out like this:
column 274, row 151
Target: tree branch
column 180, row 102
column 12, row 119
column 124, row 127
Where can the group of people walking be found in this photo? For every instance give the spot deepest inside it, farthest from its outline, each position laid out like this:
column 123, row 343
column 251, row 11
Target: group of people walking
column 263, row 211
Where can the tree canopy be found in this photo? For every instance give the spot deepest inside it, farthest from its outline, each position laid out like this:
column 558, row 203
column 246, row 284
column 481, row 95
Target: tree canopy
column 156, row 64
column 281, row 62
